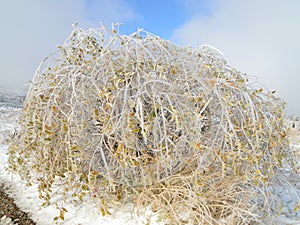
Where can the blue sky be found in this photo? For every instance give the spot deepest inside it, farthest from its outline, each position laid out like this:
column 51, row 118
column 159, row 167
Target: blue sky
column 258, row 37
column 160, row 17
column 152, row 16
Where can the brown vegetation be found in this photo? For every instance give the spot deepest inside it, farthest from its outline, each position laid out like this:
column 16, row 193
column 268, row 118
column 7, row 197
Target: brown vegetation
column 136, row 118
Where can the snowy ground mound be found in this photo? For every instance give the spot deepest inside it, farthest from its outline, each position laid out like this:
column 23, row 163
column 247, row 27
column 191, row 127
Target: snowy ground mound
column 287, row 187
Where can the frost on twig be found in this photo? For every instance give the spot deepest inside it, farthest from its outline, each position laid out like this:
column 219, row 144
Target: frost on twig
column 125, row 115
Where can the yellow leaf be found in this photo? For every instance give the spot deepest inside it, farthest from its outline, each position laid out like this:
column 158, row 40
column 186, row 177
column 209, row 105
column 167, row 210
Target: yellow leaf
column 96, row 111
column 258, row 172
column 62, row 216
column 212, row 83
column 65, row 128
column 54, row 108
column 297, row 207
column 173, row 71
column 136, row 130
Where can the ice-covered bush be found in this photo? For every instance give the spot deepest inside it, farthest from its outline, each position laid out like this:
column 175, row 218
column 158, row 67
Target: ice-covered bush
column 135, row 118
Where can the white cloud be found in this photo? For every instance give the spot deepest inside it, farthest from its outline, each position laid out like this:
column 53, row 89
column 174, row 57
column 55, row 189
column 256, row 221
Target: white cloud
column 31, row 30
column 257, row 37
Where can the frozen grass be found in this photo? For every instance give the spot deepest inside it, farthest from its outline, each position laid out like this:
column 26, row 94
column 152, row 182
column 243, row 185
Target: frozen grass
column 192, row 199
column 138, row 119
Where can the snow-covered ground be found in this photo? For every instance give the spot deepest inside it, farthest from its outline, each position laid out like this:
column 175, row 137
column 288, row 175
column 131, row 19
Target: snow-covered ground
column 287, row 190
column 27, row 197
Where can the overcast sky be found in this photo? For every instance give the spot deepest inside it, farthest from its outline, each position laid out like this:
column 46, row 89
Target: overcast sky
column 258, row 37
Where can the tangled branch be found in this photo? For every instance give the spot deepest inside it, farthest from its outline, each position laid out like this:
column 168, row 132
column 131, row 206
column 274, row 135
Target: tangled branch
column 118, row 115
